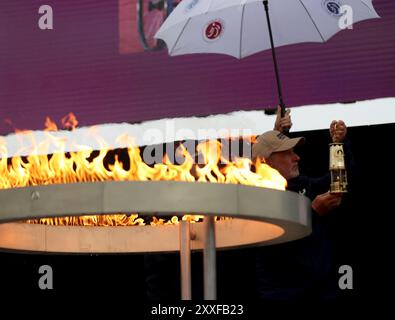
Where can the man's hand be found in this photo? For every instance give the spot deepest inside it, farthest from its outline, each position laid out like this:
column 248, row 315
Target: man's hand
column 326, row 202
column 282, row 122
column 338, row 130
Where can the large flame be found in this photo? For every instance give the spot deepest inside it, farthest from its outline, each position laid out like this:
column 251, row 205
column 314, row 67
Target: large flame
column 88, row 165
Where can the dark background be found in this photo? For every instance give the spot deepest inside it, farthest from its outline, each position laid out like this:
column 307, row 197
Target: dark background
column 362, row 237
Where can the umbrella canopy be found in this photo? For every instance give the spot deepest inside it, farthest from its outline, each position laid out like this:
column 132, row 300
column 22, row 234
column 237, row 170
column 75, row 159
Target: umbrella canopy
column 239, row 27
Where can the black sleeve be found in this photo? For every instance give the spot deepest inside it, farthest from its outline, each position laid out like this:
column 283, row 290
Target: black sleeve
column 318, row 185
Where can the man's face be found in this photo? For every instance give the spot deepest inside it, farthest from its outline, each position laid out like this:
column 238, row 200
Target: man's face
column 286, row 162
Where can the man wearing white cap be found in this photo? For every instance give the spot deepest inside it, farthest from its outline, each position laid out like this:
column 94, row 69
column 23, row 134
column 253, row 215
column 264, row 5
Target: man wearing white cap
column 299, row 269
column 277, row 150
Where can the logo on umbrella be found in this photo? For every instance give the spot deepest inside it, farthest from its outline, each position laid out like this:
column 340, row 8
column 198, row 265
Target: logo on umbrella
column 213, row 30
column 191, row 5
column 332, row 7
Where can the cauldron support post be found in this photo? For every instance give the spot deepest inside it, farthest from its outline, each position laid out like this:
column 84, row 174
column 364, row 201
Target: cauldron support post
column 185, row 259
column 209, row 259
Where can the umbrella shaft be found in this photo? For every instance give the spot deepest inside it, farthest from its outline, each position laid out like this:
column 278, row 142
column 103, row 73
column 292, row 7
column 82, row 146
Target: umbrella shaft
column 280, row 94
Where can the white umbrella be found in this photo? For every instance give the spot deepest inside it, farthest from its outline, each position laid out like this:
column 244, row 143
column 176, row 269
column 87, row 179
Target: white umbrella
column 242, row 27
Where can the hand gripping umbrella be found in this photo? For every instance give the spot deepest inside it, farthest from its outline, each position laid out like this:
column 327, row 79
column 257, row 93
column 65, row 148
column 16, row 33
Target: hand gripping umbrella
column 243, row 27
